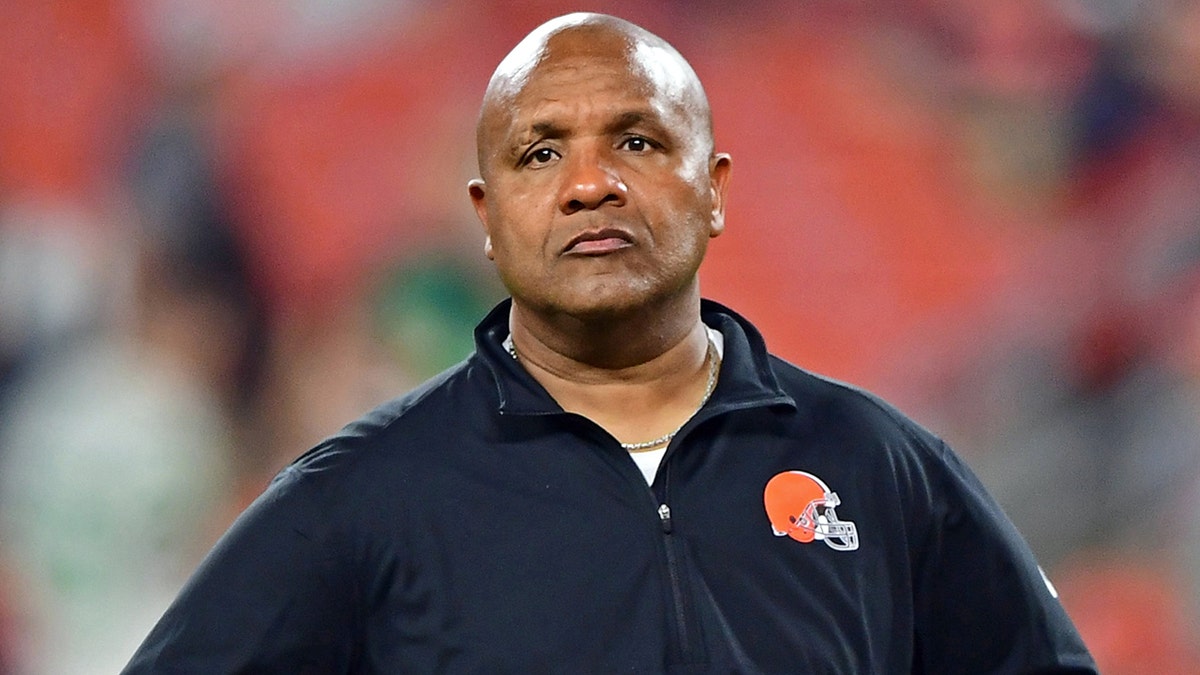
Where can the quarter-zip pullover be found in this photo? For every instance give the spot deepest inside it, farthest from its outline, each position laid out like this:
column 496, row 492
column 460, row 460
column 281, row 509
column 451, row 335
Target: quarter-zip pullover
column 473, row 526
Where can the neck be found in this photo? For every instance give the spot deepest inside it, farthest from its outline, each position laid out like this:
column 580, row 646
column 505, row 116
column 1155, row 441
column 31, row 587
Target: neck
column 605, row 341
column 639, row 376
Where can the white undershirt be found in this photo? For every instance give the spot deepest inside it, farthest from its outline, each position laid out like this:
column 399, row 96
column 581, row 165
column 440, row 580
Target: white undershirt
column 649, row 460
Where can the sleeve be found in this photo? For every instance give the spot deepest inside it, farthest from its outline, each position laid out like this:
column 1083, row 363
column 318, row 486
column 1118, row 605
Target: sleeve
column 982, row 603
column 275, row 595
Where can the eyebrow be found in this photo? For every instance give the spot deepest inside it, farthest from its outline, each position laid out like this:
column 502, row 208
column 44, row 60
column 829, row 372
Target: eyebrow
column 628, row 119
column 623, row 121
column 543, row 129
column 536, row 132
column 547, row 130
column 633, row 118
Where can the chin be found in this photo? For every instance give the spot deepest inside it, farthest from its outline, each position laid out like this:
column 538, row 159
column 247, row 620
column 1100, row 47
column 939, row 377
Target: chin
column 606, row 301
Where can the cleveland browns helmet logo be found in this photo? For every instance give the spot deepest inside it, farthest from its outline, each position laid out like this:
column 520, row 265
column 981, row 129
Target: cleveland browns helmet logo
column 801, row 506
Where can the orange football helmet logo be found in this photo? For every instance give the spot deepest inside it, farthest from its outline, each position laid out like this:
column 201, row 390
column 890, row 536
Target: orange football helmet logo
column 801, row 506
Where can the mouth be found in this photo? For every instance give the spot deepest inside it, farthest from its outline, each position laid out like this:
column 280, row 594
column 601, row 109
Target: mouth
column 598, row 242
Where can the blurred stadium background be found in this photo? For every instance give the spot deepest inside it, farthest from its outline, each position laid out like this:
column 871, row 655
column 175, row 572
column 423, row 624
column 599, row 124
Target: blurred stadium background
column 228, row 227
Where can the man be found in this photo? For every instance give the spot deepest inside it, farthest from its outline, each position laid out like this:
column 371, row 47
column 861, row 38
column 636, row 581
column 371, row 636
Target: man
column 620, row 479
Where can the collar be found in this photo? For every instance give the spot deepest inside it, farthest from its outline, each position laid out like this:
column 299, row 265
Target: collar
column 747, row 378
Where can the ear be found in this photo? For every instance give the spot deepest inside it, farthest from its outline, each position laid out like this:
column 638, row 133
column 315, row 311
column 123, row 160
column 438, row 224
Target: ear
column 477, row 189
column 718, row 174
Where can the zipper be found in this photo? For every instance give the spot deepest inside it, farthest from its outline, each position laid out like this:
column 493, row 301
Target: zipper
column 682, row 623
column 664, row 515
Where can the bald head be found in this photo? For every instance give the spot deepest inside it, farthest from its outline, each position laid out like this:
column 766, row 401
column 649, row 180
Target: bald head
column 599, row 186
column 576, row 41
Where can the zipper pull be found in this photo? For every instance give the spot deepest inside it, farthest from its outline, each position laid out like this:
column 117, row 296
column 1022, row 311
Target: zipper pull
column 664, row 515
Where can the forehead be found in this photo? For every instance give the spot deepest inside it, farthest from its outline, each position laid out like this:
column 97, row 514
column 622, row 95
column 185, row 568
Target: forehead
column 591, row 81
column 577, row 78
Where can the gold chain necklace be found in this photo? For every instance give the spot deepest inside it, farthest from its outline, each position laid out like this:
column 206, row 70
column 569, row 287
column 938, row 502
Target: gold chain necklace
column 714, row 366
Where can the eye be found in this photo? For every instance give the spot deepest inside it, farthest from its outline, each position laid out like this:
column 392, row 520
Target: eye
column 540, row 156
column 637, row 144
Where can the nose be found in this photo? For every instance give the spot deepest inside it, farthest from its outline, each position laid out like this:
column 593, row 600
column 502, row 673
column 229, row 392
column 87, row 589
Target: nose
column 590, row 182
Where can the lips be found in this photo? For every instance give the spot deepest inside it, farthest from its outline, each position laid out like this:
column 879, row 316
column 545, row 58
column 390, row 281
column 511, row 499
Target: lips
column 598, row 242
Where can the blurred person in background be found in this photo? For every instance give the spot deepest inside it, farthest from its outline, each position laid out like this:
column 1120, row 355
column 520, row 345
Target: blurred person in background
column 118, row 441
column 52, row 290
column 611, row 482
column 1105, row 408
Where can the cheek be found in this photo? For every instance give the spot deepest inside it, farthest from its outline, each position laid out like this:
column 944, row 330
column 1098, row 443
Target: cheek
column 693, row 170
column 522, row 215
column 692, row 187
column 518, row 240
column 684, row 212
column 682, row 245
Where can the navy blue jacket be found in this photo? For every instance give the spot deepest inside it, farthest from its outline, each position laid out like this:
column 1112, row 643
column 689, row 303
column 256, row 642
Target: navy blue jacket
column 472, row 526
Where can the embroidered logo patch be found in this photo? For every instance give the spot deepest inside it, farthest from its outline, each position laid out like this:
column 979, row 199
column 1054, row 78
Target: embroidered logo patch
column 801, row 506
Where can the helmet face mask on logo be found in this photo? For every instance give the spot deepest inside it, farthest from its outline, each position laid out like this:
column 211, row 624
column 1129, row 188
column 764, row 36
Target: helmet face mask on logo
column 802, row 507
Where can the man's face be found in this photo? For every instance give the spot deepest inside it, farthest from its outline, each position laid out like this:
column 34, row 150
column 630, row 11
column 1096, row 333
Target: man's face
column 600, row 190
